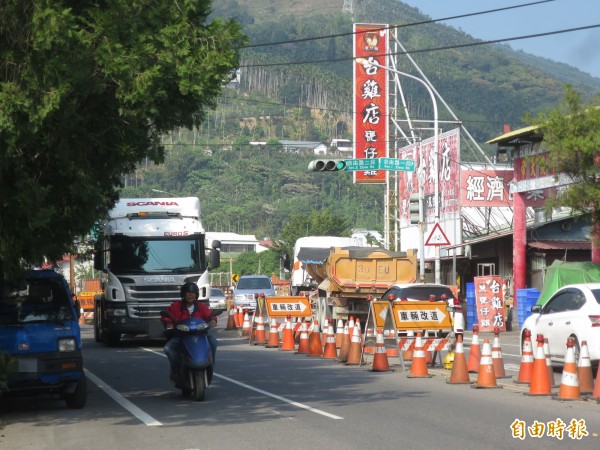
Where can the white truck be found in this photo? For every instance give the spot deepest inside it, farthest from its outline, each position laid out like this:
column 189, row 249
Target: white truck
column 313, row 250
column 149, row 248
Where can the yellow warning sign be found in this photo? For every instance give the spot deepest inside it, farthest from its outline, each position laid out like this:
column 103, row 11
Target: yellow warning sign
column 294, row 306
column 421, row 316
column 380, row 312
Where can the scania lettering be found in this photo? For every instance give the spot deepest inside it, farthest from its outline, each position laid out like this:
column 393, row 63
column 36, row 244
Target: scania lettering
column 148, row 249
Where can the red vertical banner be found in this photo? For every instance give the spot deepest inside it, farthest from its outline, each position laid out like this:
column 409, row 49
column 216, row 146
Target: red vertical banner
column 371, row 115
column 489, row 300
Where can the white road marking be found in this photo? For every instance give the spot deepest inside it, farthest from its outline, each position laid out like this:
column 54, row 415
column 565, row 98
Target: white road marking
column 268, row 394
column 134, row 410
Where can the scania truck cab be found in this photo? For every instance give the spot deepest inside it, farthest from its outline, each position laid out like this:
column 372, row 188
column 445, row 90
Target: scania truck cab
column 150, row 247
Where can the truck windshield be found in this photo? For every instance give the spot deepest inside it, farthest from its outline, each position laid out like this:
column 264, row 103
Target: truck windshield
column 153, row 255
column 44, row 300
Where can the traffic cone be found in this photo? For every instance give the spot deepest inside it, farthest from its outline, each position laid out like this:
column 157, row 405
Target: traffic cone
column 526, row 368
column 339, row 334
column 428, row 354
column 368, row 339
column 231, row 319
column 569, row 384
column 287, row 343
column 246, row 326
column 260, row 338
column 497, row 358
column 344, row 350
column 303, row 344
column 486, row 377
column 355, row 352
column 584, row 370
column 540, row 383
column 418, row 367
column 273, row 341
column 408, row 353
column 314, row 340
column 392, row 351
column 460, row 372
column 240, row 317
column 474, row 351
column 596, row 393
column 549, row 363
column 297, row 329
column 330, row 351
column 380, row 359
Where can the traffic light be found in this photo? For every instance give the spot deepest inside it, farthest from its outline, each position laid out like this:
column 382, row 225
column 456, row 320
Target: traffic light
column 414, row 209
column 326, row 165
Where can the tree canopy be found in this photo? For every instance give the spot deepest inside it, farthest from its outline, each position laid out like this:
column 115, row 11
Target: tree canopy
column 87, row 90
column 572, row 136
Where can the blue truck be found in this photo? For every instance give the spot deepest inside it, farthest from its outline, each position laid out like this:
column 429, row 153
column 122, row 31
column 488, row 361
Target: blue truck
column 40, row 339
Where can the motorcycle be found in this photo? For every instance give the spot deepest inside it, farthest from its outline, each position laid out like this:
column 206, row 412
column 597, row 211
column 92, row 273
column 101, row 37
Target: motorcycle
column 196, row 372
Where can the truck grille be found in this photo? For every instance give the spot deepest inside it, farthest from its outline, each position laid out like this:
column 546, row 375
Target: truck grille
column 146, row 310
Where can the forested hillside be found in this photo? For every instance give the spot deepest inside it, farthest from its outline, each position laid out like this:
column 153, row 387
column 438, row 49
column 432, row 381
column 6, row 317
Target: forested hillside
column 301, row 90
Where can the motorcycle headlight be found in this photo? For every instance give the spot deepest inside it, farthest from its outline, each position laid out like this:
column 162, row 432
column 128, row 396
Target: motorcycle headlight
column 183, row 327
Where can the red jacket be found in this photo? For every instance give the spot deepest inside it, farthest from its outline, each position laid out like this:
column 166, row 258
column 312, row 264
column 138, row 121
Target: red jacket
column 180, row 312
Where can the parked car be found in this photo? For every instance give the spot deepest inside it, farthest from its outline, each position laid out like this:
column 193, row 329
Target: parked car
column 424, row 292
column 40, row 336
column 217, row 301
column 250, row 285
column 572, row 311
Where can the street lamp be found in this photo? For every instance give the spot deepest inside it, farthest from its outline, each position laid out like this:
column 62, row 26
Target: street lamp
column 370, row 62
column 163, row 192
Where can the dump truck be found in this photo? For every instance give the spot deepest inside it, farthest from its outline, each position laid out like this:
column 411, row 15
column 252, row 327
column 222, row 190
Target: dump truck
column 348, row 276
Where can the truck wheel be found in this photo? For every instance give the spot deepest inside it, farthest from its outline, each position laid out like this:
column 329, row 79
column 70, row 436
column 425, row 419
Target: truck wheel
column 97, row 326
column 111, row 339
column 78, row 398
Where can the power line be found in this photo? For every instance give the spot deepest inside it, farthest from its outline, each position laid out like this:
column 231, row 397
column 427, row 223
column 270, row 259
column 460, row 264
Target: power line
column 433, row 49
column 423, row 22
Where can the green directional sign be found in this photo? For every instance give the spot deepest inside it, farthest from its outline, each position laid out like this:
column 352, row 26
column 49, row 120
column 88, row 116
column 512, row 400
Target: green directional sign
column 404, row 165
column 362, row 164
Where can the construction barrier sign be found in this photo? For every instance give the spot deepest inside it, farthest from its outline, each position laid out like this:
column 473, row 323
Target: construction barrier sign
column 294, row 306
column 380, row 312
column 421, row 316
column 86, row 300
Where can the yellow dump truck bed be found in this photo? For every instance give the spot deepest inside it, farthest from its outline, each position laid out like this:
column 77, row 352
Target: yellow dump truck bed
column 359, row 271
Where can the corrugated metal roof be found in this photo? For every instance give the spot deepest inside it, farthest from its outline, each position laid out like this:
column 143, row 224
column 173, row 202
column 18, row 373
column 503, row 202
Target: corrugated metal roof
column 561, row 245
column 514, row 134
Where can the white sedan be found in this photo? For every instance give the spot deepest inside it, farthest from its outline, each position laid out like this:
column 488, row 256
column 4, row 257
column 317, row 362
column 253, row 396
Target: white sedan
column 573, row 311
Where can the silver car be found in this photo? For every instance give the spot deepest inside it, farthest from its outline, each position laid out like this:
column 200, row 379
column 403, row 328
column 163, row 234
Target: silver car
column 217, row 301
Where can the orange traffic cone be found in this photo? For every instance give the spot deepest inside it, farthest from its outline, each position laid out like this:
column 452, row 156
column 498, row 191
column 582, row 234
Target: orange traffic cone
column 408, row 353
column 596, row 393
column 549, row 363
column 460, row 373
column 314, row 340
column 246, row 326
column 418, row 367
column 380, row 359
column 339, row 333
column 497, row 358
column 355, row 352
column 486, row 377
column 474, row 351
column 526, row 368
column 540, row 383
column 231, row 319
column 344, row 350
column 260, row 337
column 392, row 349
column 287, row 344
column 369, row 349
column 239, row 317
column 303, row 344
column 330, row 351
column 584, row 370
column 273, row 341
column 569, row 384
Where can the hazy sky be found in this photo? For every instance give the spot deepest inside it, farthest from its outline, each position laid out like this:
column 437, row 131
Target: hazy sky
column 579, row 49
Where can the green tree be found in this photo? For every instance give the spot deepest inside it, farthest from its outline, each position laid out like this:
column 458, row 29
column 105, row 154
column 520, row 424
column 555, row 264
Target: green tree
column 317, row 223
column 572, row 136
column 252, row 263
column 87, row 89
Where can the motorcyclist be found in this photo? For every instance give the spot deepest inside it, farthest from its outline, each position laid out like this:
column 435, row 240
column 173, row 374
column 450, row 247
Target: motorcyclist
column 187, row 307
